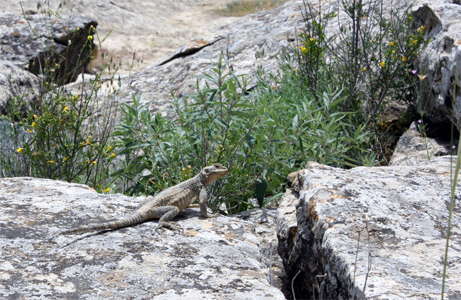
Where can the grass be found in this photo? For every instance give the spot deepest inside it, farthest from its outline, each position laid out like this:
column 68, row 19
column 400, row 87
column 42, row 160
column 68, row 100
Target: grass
column 238, row 8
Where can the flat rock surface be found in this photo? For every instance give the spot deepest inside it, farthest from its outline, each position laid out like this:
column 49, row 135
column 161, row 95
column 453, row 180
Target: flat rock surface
column 371, row 233
column 140, row 32
column 215, row 258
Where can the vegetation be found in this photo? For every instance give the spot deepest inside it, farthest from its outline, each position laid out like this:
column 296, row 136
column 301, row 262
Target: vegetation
column 324, row 105
column 238, row 8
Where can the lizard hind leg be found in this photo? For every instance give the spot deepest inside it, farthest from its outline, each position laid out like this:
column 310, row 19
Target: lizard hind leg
column 166, row 214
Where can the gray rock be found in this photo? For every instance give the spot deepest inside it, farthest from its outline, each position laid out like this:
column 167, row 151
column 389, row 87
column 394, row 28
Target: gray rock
column 370, row 233
column 16, row 84
column 215, row 258
column 415, row 149
column 252, row 42
column 440, row 62
column 55, row 47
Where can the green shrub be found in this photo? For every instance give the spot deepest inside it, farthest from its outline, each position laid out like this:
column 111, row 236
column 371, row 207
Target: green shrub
column 260, row 137
column 65, row 141
column 372, row 56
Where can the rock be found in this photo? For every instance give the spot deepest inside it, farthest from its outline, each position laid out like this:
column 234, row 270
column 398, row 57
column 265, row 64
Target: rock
column 440, row 62
column 415, row 149
column 252, row 42
column 16, row 84
column 141, row 32
column 370, row 232
column 58, row 48
column 215, row 258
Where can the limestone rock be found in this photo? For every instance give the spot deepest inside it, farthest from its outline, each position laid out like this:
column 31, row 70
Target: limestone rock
column 440, row 62
column 252, row 42
column 370, row 233
column 58, row 48
column 414, row 148
column 215, row 258
column 16, row 84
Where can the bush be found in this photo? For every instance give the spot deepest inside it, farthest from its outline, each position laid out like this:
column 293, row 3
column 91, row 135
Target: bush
column 260, row 137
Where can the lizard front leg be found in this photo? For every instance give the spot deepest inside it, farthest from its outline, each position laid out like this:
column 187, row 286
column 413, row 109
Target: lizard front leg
column 166, row 214
column 203, row 202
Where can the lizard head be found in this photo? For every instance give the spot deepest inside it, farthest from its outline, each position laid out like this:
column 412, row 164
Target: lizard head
column 212, row 173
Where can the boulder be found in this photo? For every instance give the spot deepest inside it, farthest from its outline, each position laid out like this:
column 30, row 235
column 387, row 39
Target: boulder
column 440, row 62
column 17, row 85
column 57, row 48
column 370, row 232
column 415, row 147
column 214, row 258
column 249, row 44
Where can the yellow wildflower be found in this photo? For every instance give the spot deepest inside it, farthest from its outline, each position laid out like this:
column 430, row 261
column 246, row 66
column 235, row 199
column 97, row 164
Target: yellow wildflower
column 382, row 64
column 304, row 50
column 90, row 37
column 106, row 190
column 413, row 41
column 391, row 44
column 36, row 117
column 29, row 130
column 93, row 162
column 421, row 28
column 20, row 150
column 312, row 39
column 363, row 69
column 113, row 155
column 65, row 108
column 51, row 161
column 33, row 124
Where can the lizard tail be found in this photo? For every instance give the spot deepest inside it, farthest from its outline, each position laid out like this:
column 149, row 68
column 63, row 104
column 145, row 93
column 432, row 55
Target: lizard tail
column 126, row 222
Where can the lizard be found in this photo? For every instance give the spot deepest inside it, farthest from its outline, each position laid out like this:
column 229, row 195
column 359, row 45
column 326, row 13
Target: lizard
column 167, row 204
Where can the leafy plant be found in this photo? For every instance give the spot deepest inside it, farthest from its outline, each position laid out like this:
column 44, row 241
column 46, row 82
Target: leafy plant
column 223, row 123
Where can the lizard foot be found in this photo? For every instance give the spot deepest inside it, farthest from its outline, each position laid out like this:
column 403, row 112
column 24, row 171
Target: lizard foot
column 170, row 226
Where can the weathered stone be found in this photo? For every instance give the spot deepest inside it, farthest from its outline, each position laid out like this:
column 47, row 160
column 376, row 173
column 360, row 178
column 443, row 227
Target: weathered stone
column 440, row 62
column 142, row 32
column 16, row 84
column 414, row 148
column 370, row 233
column 58, row 48
column 251, row 43
column 215, row 258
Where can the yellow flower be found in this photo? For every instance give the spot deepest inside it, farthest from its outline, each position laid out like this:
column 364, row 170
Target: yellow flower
column 113, row 155
column 413, row 41
column 391, row 44
column 51, row 161
column 36, row 117
column 87, row 141
column 404, row 59
column 90, row 37
column 304, row 50
column 106, row 190
column 363, row 69
column 421, row 28
column 33, row 124
column 382, row 64
column 20, row 150
column 109, row 148
column 312, row 39
column 93, row 162
column 421, row 76
column 29, row 130
column 65, row 108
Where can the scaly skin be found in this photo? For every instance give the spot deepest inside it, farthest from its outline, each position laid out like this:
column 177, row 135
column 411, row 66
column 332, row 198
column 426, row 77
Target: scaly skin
column 167, row 204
